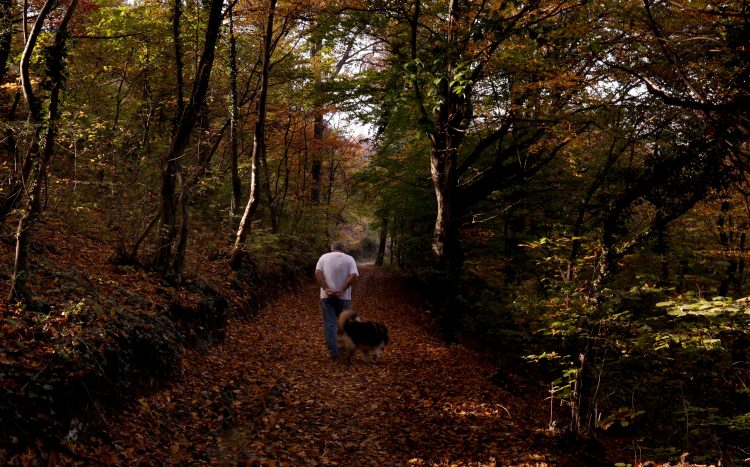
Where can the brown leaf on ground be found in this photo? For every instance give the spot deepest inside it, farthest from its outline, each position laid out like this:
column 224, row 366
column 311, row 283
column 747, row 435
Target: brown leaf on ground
column 270, row 395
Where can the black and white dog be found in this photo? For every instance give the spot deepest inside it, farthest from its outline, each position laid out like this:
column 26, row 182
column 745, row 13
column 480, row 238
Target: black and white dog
column 368, row 337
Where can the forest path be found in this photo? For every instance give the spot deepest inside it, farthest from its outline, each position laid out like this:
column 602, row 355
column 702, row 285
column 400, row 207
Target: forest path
column 282, row 401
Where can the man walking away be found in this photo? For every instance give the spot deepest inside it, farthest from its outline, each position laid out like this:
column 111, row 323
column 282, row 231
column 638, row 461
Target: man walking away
column 335, row 273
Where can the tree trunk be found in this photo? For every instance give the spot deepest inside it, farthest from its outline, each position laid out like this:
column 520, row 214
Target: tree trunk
column 281, row 188
column 25, row 20
column 179, row 66
column 179, row 257
column 661, row 249
column 259, row 145
column 393, row 248
column 170, row 167
column 28, row 92
column 6, row 34
column 168, row 206
column 233, row 109
column 316, row 169
column 741, row 266
column 608, row 261
column 449, row 122
column 132, row 254
column 270, row 199
column 19, row 276
column 445, row 246
column 167, row 214
column 383, row 239
column 725, row 238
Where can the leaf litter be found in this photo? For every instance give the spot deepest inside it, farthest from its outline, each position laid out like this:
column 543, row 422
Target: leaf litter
column 269, row 395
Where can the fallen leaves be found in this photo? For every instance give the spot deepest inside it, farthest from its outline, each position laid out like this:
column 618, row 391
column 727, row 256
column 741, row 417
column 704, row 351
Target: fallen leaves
column 269, row 395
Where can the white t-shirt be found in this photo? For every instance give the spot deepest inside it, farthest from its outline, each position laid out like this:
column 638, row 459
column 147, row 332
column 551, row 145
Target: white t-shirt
column 336, row 268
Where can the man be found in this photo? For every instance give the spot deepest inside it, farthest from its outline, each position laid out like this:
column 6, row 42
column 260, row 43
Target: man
column 335, row 273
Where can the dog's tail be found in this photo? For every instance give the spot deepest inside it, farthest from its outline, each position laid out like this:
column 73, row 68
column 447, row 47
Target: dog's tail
column 344, row 317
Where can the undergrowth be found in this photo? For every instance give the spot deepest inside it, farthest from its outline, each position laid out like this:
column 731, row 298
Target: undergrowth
column 667, row 371
column 670, row 374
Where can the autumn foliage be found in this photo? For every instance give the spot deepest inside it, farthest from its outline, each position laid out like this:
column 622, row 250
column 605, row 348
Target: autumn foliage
column 562, row 185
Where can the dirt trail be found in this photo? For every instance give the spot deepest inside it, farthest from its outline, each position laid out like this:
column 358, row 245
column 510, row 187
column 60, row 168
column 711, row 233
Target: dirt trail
column 281, row 400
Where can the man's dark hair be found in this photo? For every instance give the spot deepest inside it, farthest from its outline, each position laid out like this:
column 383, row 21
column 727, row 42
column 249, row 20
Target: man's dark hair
column 337, row 246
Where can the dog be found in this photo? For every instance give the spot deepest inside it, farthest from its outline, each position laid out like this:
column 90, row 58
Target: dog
column 367, row 337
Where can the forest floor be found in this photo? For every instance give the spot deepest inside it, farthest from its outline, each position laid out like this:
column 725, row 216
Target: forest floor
column 269, row 395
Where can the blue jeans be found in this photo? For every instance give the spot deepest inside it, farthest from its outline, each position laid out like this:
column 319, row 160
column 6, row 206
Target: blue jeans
column 330, row 322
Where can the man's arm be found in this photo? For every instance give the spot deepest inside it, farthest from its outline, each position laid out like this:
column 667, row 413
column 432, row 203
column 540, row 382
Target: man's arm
column 349, row 281
column 322, row 282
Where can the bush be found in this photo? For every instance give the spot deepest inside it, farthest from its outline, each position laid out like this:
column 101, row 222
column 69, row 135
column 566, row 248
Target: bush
column 672, row 373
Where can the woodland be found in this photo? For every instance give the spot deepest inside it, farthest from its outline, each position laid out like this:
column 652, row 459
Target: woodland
column 556, row 186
